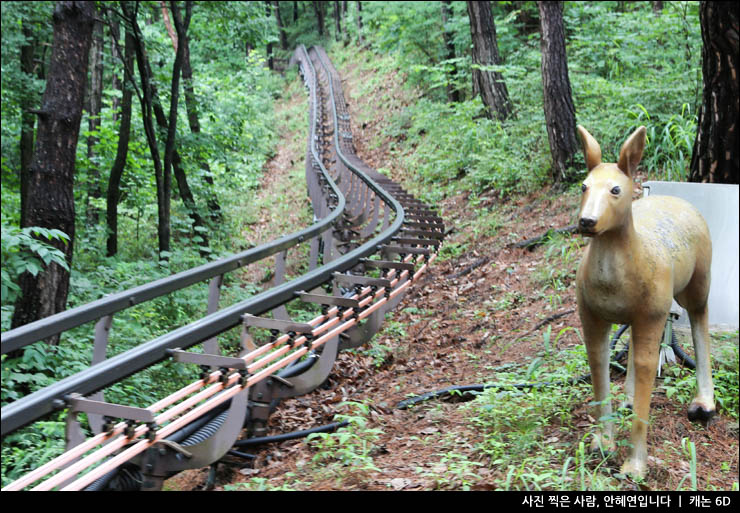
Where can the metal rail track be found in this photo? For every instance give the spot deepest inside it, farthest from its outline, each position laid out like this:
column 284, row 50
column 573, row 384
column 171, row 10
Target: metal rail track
column 370, row 241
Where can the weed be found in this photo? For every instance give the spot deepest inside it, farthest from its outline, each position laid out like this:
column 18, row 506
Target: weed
column 349, row 449
column 261, row 484
column 454, row 471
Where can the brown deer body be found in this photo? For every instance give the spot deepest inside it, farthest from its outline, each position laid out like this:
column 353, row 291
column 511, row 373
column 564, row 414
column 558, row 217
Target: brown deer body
column 641, row 255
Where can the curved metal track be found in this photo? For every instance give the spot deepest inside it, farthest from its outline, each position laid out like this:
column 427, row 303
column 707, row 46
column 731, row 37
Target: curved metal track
column 370, row 241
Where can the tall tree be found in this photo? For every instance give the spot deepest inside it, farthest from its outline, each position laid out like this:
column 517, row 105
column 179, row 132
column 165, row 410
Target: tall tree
column 489, row 84
column 28, row 119
column 162, row 180
column 191, row 106
column 318, row 9
column 270, row 57
column 560, row 114
column 281, row 28
column 337, row 21
column 115, row 77
column 50, row 197
column 95, row 100
column 113, row 193
column 716, row 154
column 360, row 39
column 453, row 93
column 167, row 124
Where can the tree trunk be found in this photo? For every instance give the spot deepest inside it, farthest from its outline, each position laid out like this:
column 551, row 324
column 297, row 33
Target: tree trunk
column 50, row 189
column 146, row 100
column 337, row 22
column 319, row 10
column 165, row 125
column 281, row 29
column 360, row 39
column 167, row 24
column 489, row 84
column 28, row 118
column 169, row 146
column 560, row 114
column 270, row 58
column 124, row 132
column 115, row 79
column 716, row 154
column 657, row 7
column 95, row 101
column 191, row 105
column 453, row 93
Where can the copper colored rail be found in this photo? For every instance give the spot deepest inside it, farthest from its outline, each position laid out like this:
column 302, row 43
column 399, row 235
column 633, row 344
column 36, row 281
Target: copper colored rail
column 365, row 191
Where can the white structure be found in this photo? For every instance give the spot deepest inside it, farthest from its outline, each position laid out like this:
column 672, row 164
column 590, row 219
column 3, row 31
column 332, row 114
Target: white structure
column 718, row 204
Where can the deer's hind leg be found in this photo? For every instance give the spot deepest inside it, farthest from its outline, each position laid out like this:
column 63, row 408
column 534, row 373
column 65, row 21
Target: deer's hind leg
column 694, row 299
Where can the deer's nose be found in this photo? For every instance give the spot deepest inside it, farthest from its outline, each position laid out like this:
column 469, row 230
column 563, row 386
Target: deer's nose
column 586, row 223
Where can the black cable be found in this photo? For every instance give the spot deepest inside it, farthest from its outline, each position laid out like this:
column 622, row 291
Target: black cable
column 242, row 455
column 472, row 390
column 289, row 436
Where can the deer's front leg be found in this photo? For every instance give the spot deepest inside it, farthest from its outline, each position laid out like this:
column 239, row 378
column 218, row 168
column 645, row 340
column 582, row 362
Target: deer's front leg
column 596, row 336
column 646, row 337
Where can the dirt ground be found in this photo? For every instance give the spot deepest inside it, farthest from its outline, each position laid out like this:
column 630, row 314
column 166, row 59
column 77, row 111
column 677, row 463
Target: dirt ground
column 442, row 331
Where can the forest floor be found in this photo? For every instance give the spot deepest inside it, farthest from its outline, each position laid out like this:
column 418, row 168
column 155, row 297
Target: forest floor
column 479, row 307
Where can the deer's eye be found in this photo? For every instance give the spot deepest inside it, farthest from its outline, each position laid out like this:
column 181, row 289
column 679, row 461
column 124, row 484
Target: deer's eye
column 616, row 190
column 583, row 188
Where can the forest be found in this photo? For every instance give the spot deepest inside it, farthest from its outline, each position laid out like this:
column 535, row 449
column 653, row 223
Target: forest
column 473, row 108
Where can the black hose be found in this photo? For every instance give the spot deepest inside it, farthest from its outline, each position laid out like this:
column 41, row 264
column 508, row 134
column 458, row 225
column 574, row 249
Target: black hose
column 687, row 360
column 240, row 454
column 290, row 436
column 680, row 353
column 471, row 390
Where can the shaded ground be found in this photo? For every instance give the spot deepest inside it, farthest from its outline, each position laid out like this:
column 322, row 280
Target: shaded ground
column 484, row 304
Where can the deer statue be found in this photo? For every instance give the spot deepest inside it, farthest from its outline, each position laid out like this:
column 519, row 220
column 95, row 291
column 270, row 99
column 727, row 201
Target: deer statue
column 641, row 255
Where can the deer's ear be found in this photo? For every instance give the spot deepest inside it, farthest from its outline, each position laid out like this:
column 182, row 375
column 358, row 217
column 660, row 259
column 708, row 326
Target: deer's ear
column 591, row 149
column 631, row 152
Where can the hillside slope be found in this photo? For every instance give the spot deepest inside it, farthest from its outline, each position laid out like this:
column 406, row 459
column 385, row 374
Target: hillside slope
column 486, row 312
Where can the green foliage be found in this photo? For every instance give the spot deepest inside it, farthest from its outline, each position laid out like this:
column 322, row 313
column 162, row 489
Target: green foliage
column 557, row 271
column 22, row 252
column 235, row 94
column 626, row 68
column 348, row 449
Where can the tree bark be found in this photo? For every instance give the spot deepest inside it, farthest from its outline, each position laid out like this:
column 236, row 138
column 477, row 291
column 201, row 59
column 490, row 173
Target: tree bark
column 191, row 105
column 453, row 93
column 337, row 22
column 489, row 84
column 560, row 114
column 50, row 189
column 716, row 154
column 281, row 29
column 146, row 99
column 167, row 24
column 115, row 79
column 270, row 57
column 169, row 146
column 94, row 109
column 360, row 39
column 124, row 132
column 28, row 119
column 319, row 10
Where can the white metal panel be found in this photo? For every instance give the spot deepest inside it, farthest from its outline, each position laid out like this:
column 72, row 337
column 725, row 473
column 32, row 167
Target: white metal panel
column 718, row 203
